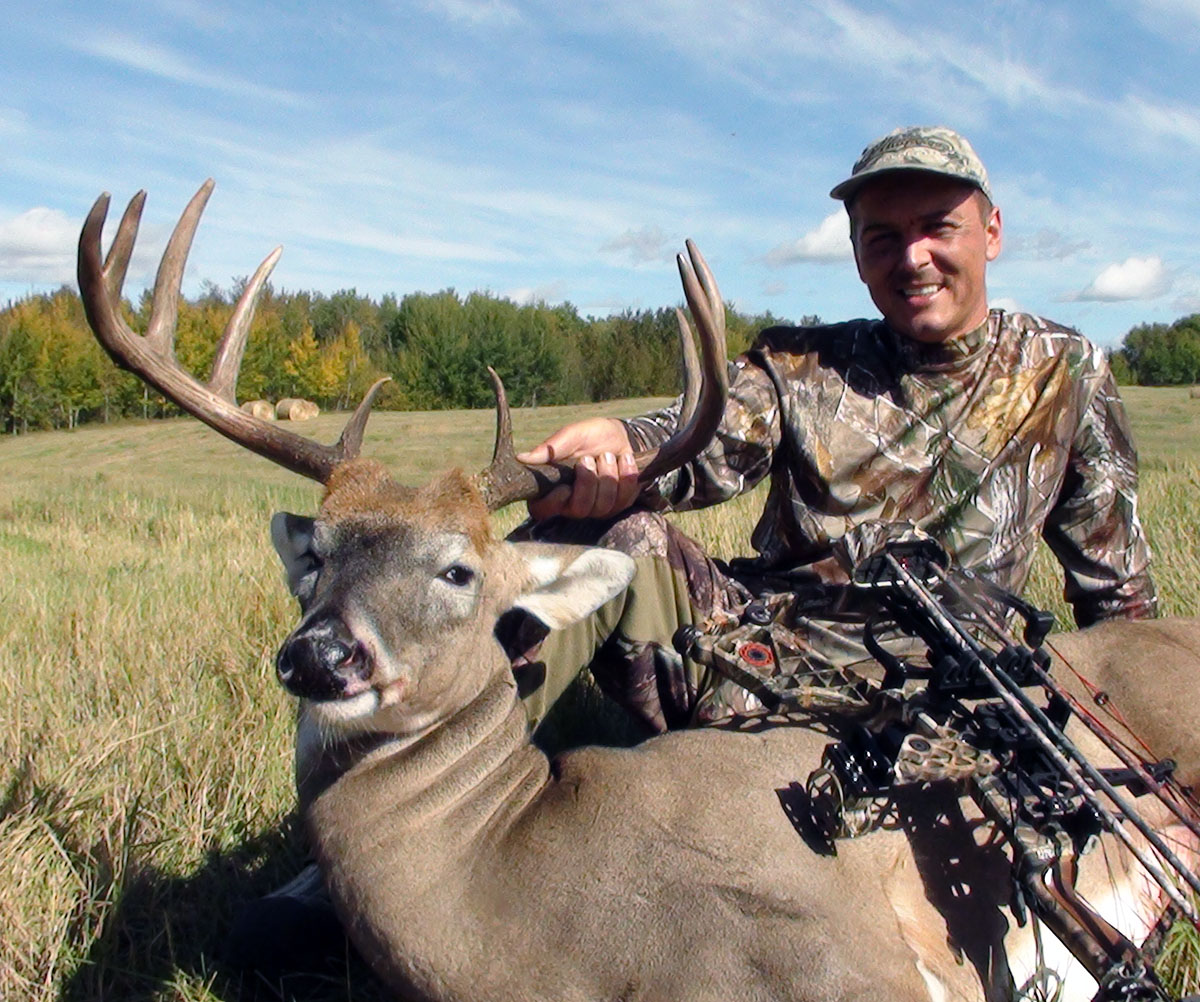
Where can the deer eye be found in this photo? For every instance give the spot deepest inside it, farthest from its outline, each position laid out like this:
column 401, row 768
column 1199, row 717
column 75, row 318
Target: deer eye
column 458, row 575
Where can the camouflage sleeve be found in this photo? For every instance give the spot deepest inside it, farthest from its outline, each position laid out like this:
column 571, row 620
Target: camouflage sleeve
column 1093, row 528
column 739, row 455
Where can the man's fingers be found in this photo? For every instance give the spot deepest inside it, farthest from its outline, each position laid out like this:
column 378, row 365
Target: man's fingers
column 583, row 494
column 539, row 455
column 551, row 505
column 606, row 485
column 628, row 487
column 590, row 437
column 605, row 480
column 558, row 446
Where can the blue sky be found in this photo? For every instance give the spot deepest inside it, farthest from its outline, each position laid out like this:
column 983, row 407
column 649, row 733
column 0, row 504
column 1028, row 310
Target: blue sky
column 563, row 152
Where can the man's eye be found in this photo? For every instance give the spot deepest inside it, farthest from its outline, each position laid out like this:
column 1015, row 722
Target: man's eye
column 458, row 575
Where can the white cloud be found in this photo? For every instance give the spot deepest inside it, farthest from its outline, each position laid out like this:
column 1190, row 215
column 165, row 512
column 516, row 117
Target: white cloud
column 1168, row 17
column 130, row 52
column 362, row 236
column 1186, row 289
column 1160, row 120
column 550, row 292
column 916, row 58
column 13, row 122
column 1044, row 245
column 1133, row 278
column 199, row 15
column 38, row 246
column 1185, row 8
column 644, row 245
column 829, row 242
column 476, row 13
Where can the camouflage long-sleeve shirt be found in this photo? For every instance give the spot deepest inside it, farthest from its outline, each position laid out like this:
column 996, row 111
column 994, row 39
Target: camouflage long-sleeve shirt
column 1009, row 433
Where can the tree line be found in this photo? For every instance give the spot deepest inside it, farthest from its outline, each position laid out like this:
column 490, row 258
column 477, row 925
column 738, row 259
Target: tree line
column 330, row 349
column 435, row 346
column 1160, row 354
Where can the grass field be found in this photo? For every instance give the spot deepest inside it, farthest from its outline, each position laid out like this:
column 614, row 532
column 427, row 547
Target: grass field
column 144, row 743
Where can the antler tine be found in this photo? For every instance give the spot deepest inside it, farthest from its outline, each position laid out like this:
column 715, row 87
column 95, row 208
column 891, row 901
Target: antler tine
column 152, row 359
column 232, row 347
column 504, row 439
column 698, row 423
column 691, row 368
column 706, row 387
column 160, row 333
column 117, row 262
column 349, row 443
column 506, row 479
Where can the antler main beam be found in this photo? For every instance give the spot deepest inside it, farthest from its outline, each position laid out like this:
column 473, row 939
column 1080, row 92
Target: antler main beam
column 151, row 357
column 706, row 387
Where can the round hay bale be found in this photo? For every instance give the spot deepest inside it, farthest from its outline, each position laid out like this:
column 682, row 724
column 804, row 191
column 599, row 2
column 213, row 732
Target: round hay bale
column 260, row 409
column 1194, row 393
column 295, row 409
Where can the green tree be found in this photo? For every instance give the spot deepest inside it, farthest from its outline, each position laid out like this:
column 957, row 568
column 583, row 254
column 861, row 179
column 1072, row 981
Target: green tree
column 1163, row 354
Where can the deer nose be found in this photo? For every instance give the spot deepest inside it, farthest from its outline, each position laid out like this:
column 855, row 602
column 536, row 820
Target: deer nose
column 322, row 660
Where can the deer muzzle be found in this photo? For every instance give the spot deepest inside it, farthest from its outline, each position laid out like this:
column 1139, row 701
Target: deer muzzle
column 322, row 661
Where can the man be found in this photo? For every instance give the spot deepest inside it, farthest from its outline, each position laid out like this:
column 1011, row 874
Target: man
column 983, row 429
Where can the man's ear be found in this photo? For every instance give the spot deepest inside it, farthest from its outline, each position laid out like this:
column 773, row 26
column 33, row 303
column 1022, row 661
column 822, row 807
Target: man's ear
column 292, row 536
column 567, row 583
column 993, row 234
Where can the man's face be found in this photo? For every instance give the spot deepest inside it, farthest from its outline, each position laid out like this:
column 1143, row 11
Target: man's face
column 922, row 244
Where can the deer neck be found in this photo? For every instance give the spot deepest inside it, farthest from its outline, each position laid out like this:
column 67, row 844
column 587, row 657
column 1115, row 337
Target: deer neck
column 466, row 779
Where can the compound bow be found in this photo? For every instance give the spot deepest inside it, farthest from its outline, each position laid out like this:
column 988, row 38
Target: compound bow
column 966, row 714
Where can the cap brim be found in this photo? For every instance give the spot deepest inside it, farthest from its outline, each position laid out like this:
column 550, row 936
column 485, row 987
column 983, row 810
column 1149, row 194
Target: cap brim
column 849, row 188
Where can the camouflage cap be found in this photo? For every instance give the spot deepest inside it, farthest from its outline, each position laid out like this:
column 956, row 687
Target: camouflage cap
column 934, row 149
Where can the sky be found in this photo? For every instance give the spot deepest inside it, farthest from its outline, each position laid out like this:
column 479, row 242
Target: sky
column 563, row 152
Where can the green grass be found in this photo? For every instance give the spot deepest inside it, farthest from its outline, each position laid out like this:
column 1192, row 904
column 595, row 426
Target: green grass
column 145, row 774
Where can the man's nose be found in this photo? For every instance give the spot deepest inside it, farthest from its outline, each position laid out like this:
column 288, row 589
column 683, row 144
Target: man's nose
column 917, row 254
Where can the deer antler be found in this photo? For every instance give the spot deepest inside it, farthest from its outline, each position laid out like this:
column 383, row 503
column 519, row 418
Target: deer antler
column 706, row 387
column 151, row 357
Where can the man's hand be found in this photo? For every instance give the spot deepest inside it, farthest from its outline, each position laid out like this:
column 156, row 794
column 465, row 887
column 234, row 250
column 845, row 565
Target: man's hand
column 605, row 472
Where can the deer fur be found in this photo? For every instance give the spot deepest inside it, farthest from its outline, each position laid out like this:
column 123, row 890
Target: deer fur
column 465, row 865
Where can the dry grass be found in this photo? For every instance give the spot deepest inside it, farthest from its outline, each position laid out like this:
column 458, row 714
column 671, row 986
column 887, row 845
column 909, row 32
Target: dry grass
column 146, row 788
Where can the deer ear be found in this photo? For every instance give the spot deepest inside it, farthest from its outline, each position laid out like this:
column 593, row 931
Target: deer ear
column 292, row 536
column 567, row 583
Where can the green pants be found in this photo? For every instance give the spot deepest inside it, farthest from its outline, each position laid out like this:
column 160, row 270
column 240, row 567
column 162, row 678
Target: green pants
column 627, row 643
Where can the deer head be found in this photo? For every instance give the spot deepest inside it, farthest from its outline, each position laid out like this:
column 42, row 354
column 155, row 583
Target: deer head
column 401, row 588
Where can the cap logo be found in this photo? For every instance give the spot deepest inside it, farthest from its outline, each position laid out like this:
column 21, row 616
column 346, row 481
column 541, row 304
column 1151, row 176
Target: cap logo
column 907, row 140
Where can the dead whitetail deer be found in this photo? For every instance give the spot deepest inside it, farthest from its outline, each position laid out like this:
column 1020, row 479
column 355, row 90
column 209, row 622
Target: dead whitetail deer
column 462, row 862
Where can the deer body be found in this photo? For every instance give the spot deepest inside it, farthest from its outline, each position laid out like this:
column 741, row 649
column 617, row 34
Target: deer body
column 465, row 866
column 465, row 869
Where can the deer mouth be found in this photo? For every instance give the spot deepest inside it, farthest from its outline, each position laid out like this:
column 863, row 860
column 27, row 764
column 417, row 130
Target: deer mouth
column 391, row 693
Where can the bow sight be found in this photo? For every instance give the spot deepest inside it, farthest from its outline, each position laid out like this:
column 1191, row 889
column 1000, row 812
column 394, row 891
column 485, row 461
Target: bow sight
column 964, row 712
